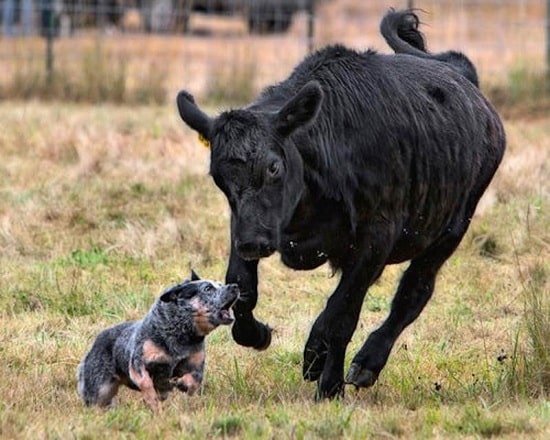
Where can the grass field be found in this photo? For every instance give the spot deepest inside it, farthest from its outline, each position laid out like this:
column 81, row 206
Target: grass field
column 101, row 207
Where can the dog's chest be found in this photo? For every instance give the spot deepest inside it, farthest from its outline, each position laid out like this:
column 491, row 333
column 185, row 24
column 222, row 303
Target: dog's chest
column 165, row 364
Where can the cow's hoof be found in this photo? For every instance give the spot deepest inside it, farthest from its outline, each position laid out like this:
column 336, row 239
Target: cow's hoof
column 329, row 390
column 252, row 334
column 314, row 363
column 266, row 331
column 360, row 377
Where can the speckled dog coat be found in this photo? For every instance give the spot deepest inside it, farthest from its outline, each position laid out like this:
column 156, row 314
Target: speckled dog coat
column 163, row 351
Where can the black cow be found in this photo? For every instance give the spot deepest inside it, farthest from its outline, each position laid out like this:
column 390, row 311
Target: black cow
column 362, row 160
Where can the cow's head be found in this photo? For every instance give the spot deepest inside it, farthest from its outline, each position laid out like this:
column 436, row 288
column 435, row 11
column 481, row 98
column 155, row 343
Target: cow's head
column 255, row 164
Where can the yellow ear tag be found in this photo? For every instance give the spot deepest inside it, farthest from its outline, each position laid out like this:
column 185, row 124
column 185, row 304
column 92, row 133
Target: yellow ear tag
column 205, row 142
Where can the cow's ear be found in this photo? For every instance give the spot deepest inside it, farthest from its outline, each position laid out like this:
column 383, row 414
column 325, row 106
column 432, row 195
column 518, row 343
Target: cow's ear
column 301, row 109
column 193, row 116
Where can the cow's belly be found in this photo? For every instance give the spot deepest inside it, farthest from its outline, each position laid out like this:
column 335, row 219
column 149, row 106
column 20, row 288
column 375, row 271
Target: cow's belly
column 407, row 249
column 412, row 243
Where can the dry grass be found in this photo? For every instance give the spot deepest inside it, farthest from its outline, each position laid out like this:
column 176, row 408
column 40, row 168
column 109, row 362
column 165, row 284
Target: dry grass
column 102, row 207
column 498, row 39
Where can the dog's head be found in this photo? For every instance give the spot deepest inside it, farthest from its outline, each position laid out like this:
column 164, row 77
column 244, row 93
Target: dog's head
column 206, row 304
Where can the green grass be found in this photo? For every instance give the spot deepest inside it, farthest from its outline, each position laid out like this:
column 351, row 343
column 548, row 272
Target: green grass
column 102, row 207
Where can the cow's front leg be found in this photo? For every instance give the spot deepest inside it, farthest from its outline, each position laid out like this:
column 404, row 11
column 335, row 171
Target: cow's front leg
column 246, row 330
column 325, row 349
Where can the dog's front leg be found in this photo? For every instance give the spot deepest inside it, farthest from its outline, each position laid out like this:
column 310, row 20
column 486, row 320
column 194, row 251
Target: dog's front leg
column 190, row 382
column 189, row 373
column 144, row 382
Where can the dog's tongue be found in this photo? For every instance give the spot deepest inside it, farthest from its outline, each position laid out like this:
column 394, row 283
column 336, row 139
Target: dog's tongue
column 226, row 317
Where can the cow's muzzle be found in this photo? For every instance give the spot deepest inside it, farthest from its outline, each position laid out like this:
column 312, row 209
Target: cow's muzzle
column 254, row 250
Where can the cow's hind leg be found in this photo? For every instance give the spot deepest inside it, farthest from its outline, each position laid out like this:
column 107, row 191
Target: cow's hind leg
column 316, row 348
column 325, row 349
column 414, row 291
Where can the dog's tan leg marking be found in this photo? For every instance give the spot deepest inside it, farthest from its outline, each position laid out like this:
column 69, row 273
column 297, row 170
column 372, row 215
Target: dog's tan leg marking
column 196, row 360
column 153, row 353
column 192, row 380
column 145, row 384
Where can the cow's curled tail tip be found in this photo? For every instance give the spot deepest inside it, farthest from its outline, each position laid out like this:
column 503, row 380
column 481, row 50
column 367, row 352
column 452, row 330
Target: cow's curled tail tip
column 403, row 17
column 185, row 95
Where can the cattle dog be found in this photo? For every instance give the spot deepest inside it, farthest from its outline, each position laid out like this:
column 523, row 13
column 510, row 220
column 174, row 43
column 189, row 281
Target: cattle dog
column 163, row 351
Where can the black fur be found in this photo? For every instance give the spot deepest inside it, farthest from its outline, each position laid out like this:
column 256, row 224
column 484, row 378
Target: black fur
column 400, row 29
column 358, row 159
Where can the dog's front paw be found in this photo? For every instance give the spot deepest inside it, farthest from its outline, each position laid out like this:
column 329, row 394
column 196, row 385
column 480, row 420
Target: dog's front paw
column 187, row 384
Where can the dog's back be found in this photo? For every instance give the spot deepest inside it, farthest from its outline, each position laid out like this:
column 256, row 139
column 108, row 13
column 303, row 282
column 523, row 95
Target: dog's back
column 98, row 375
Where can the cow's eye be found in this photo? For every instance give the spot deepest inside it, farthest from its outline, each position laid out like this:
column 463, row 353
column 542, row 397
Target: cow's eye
column 274, row 170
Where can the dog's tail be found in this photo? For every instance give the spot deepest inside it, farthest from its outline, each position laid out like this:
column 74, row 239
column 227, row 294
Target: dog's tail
column 85, row 390
column 400, row 30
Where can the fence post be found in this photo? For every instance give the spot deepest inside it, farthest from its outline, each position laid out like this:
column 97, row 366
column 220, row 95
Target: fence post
column 548, row 46
column 49, row 29
column 311, row 24
column 49, row 58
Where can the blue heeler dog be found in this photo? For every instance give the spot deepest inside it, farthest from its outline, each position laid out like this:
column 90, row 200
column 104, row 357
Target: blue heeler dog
column 163, row 351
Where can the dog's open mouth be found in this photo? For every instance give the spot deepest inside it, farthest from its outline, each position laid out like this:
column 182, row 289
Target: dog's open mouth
column 225, row 315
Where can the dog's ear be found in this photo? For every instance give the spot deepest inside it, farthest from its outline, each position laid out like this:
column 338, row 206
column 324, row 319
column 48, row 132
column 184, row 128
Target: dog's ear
column 184, row 290
column 194, row 276
column 170, row 295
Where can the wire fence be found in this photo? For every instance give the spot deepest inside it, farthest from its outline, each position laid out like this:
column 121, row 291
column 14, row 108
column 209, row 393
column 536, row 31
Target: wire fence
column 209, row 45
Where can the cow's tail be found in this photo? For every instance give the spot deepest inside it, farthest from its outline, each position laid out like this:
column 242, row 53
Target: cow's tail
column 400, row 30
